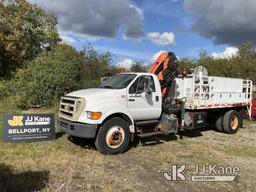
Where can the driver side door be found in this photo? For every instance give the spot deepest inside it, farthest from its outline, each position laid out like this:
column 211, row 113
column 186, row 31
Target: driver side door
column 144, row 104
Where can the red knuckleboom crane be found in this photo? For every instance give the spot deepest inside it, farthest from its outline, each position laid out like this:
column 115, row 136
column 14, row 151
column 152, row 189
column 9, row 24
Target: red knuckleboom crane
column 166, row 69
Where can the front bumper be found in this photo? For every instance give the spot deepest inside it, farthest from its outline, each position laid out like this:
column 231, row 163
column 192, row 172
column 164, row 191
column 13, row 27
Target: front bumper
column 78, row 129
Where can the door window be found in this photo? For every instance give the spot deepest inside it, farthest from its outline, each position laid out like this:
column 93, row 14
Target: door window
column 141, row 84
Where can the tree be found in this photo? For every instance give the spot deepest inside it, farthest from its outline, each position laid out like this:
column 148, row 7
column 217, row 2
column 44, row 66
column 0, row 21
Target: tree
column 225, row 67
column 96, row 65
column 138, row 67
column 44, row 80
column 186, row 63
column 25, row 31
column 247, row 60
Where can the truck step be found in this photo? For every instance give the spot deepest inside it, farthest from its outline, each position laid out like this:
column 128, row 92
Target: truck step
column 147, row 122
column 143, row 135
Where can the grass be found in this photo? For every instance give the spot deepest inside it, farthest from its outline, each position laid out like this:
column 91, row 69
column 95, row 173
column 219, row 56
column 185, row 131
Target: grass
column 1, row 124
column 240, row 151
column 75, row 165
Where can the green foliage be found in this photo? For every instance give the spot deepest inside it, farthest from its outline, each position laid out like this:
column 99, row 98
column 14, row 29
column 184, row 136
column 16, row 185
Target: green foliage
column 138, row 66
column 25, row 31
column 96, row 65
column 1, row 123
column 2, row 92
column 187, row 63
column 242, row 65
column 247, row 61
column 44, row 79
column 219, row 67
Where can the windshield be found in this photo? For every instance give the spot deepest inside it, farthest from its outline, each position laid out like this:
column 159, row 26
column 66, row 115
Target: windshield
column 118, row 81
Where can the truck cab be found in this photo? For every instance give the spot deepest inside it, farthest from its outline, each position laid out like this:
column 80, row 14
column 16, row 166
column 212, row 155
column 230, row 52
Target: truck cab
column 116, row 105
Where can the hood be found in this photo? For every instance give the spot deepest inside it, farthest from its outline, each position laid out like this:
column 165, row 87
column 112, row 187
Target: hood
column 84, row 93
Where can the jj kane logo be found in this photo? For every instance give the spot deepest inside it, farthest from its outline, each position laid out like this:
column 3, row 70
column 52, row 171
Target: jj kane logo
column 177, row 173
column 28, row 127
column 30, row 120
column 16, row 121
column 36, row 120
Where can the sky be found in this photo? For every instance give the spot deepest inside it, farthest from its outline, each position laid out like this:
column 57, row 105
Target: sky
column 141, row 29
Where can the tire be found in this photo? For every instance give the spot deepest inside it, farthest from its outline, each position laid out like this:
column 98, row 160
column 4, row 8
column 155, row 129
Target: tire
column 231, row 122
column 113, row 137
column 242, row 116
column 219, row 124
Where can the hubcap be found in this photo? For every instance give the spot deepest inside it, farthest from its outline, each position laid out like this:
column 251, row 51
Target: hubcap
column 234, row 122
column 115, row 137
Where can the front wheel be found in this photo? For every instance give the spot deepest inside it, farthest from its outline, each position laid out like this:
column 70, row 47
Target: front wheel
column 113, row 136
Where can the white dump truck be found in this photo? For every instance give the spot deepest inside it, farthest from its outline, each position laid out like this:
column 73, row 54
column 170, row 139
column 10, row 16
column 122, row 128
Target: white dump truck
column 163, row 101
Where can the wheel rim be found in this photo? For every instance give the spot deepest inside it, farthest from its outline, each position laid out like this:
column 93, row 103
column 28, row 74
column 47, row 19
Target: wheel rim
column 234, row 122
column 115, row 137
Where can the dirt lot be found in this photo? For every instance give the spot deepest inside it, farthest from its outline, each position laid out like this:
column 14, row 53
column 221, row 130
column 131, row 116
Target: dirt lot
column 66, row 165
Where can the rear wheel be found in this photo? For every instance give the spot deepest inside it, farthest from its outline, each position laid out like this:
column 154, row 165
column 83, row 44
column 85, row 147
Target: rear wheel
column 231, row 122
column 219, row 124
column 242, row 116
column 113, row 136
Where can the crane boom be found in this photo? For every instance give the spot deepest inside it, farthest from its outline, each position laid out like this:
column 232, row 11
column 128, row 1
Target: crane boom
column 166, row 69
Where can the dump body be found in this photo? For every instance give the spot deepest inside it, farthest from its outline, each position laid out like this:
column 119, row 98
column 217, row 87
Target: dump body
column 207, row 92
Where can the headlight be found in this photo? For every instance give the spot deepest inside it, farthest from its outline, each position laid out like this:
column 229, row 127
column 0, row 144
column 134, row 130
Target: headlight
column 93, row 115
